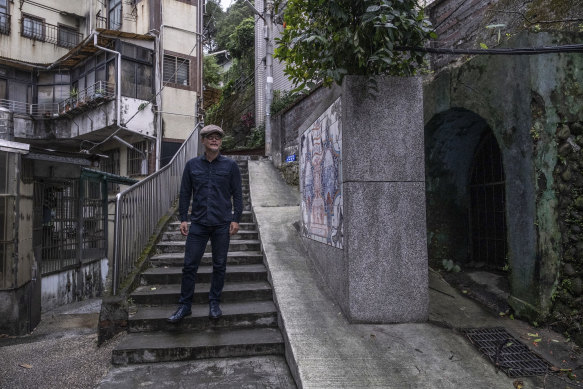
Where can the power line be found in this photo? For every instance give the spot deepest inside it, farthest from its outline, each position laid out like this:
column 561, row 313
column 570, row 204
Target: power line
column 576, row 48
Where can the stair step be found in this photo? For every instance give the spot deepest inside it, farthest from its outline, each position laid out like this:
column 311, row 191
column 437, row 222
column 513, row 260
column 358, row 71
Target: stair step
column 235, row 245
column 246, row 216
column 241, row 235
column 167, row 347
column 175, row 226
column 235, row 273
column 233, row 258
column 254, row 314
column 232, row 292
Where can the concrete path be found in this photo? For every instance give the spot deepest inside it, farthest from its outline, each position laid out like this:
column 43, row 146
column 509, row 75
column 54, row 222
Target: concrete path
column 324, row 350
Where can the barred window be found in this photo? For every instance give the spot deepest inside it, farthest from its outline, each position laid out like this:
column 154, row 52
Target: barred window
column 114, row 14
column 138, row 158
column 176, row 70
column 4, row 17
column 67, row 36
column 111, row 165
column 33, row 28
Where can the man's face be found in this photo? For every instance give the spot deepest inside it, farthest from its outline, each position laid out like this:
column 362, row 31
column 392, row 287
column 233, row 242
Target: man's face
column 212, row 142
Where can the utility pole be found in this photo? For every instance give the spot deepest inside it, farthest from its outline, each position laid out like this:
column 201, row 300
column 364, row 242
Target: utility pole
column 267, row 17
column 268, row 73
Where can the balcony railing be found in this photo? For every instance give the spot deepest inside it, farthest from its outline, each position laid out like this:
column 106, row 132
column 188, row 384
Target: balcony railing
column 103, row 24
column 4, row 23
column 41, row 31
column 78, row 102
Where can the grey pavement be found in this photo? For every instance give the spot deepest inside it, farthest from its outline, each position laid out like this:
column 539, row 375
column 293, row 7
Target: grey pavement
column 324, row 350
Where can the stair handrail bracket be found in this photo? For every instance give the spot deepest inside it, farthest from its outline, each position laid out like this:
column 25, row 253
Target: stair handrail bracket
column 139, row 209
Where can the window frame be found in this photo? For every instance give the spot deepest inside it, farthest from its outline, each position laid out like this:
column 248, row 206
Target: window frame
column 112, row 7
column 5, row 18
column 134, row 158
column 134, row 59
column 32, row 35
column 73, row 32
column 191, row 71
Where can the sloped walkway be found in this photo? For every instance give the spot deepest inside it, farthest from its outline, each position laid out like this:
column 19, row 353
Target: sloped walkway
column 324, row 350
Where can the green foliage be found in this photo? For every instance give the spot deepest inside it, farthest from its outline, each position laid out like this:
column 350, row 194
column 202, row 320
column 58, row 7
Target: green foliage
column 212, row 19
column 242, row 40
column 257, row 137
column 324, row 40
column 211, row 72
column 228, row 142
column 236, row 13
column 449, row 265
column 282, row 100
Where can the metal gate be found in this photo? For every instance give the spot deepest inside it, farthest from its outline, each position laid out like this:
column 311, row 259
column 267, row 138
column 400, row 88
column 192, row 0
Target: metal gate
column 70, row 222
column 487, row 205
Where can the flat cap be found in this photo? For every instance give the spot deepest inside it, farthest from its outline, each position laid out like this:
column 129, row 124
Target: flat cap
column 210, row 129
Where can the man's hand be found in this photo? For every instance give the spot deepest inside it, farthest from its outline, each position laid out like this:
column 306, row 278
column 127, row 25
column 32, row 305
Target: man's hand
column 184, row 228
column 234, row 227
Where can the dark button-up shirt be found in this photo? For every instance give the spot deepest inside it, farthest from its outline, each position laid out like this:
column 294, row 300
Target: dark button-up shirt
column 211, row 186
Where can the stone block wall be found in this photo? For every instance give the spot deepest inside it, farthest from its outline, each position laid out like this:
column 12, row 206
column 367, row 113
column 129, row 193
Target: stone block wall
column 285, row 125
column 568, row 297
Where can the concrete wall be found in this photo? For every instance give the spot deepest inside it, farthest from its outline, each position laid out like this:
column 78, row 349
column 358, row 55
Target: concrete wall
column 74, row 285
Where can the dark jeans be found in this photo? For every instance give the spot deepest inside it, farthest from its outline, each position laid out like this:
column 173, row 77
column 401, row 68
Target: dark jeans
column 198, row 236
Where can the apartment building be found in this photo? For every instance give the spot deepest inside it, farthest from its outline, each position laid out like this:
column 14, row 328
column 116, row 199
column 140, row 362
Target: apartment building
column 94, row 95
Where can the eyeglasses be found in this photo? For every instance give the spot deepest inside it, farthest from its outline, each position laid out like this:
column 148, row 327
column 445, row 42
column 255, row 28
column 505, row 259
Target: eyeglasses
column 213, row 137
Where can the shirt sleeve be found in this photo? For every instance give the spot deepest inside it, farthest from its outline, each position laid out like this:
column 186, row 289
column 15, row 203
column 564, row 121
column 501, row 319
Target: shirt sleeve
column 185, row 194
column 237, row 192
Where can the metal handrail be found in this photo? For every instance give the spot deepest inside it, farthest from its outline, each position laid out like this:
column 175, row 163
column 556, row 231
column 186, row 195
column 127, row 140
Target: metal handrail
column 139, row 208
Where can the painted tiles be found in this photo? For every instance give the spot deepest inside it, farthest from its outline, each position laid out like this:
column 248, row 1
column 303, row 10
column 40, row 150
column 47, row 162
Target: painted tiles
column 321, row 178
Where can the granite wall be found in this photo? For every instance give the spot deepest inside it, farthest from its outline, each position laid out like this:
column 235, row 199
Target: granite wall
column 374, row 258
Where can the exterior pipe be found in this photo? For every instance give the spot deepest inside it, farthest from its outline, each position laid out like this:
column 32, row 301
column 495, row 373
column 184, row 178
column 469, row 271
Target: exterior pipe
column 118, row 98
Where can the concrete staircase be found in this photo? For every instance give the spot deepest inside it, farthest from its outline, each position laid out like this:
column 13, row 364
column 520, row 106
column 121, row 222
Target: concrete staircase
column 248, row 326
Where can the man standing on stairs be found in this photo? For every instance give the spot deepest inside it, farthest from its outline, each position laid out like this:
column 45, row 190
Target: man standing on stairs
column 211, row 180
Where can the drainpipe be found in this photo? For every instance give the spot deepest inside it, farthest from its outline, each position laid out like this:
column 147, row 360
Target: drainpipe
column 118, row 98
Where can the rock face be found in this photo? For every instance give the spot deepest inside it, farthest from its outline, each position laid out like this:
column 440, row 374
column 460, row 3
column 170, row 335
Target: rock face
column 569, row 188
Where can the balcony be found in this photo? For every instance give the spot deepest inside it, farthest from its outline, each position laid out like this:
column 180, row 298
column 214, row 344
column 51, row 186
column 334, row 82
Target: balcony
column 80, row 101
column 60, row 35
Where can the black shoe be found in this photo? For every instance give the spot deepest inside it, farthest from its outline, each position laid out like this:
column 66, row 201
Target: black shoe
column 214, row 310
column 180, row 313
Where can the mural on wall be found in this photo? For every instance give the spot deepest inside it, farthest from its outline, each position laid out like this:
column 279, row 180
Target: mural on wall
column 321, row 178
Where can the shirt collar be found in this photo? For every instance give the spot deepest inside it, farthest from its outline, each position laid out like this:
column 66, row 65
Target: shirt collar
column 218, row 158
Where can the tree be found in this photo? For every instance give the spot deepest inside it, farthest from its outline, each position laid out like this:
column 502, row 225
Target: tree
column 236, row 13
column 211, row 72
column 323, row 40
column 212, row 19
column 242, row 41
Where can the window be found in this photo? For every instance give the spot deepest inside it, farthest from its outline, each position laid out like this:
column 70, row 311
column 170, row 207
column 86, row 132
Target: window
column 138, row 79
column 67, row 36
column 114, row 14
column 176, row 70
column 110, row 165
column 33, row 28
column 4, row 18
column 138, row 158
column 53, row 88
column 8, row 162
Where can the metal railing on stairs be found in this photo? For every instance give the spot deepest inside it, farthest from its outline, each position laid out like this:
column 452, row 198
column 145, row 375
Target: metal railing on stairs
column 139, row 208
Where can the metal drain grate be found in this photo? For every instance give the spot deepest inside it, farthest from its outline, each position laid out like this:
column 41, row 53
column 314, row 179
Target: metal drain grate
column 506, row 352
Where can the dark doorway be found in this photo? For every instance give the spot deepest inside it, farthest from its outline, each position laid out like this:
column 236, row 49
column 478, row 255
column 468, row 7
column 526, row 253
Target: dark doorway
column 487, row 205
